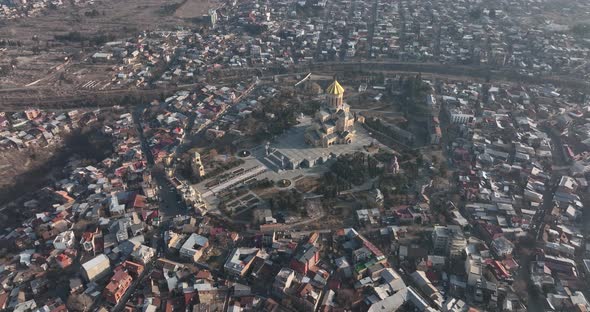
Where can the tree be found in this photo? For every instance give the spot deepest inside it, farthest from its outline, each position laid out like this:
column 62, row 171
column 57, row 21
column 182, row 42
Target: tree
column 290, row 200
column 314, row 88
column 372, row 166
column 581, row 29
column 492, row 13
column 81, row 302
column 475, row 13
column 93, row 13
column 419, row 160
column 443, row 169
column 250, row 125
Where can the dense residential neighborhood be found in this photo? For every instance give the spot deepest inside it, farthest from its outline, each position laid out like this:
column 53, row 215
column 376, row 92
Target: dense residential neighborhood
column 290, row 157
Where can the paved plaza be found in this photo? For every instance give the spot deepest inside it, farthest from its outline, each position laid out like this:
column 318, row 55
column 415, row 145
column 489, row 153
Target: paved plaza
column 290, row 151
column 295, row 150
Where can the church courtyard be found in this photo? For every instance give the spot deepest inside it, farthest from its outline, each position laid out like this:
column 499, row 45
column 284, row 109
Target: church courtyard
column 290, row 151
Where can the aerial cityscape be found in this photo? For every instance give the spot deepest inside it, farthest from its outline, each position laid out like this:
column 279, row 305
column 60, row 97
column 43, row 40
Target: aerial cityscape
column 308, row 155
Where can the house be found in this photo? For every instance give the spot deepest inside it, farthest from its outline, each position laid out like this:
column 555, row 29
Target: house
column 76, row 285
column 143, row 254
column 87, row 241
column 102, row 57
column 306, row 297
column 502, row 246
column 283, row 281
column 63, row 260
column 210, row 294
column 25, row 306
column 115, row 208
column 305, row 258
column 64, row 240
column 240, row 260
column 343, row 267
column 135, row 269
column 117, row 287
column 194, row 247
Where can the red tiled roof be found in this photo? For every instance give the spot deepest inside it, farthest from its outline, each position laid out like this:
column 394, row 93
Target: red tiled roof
column 139, row 201
column 433, row 276
column 203, row 274
column 63, row 260
column 3, row 300
column 188, row 297
column 87, row 236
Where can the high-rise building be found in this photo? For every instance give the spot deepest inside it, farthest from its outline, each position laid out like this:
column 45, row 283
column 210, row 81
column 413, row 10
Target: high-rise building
column 213, row 17
column 449, row 240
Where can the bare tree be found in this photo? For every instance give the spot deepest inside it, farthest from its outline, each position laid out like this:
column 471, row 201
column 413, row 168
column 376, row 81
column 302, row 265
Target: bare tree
column 81, row 302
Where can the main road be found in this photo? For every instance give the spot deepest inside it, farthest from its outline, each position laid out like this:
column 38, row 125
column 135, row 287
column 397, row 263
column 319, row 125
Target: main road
column 21, row 98
column 453, row 71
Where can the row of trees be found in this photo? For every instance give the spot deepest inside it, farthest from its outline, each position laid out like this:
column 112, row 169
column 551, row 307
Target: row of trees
column 10, row 43
column 76, row 36
column 272, row 119
column 356, row 168
column 331, row 185
column 581, row 30
column 413, row 96
column 477, row 13
column 169, row 9
column 290, row 200
column 93, row 13
column 351, row 167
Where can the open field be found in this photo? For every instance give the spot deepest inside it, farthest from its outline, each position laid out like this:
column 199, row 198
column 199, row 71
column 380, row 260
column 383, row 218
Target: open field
column 194, row 8
column 115, row 19
column 15, row 164
column 28, row 170
column 119, row 17
column 29, row 67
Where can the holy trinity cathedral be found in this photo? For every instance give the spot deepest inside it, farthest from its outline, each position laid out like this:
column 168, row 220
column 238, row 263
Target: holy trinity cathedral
column 333, row 123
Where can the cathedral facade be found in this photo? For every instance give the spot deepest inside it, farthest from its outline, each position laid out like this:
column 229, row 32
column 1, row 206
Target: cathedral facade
column 333, row 123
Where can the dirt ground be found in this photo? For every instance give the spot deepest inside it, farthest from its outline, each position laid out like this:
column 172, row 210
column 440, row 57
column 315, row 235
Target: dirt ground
column 27, row 170
column 195, row 8
column 119, row 17
column 15, row 164
column 265, row 193
column 30, row 68
column 307, row 184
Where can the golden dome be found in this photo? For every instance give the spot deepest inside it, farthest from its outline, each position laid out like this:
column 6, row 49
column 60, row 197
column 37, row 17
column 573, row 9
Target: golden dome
column 335, row 88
